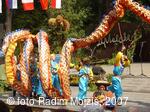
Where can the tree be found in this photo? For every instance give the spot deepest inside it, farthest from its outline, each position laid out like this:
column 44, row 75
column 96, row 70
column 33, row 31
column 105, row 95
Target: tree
column 33, row 20
column 83, row 16
column 77, row 12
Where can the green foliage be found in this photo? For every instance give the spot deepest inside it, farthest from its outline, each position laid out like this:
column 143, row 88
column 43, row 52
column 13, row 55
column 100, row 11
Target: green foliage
column 3, row 85
column 33, row 20
column 83, row 16
column 92, row 87
column 109, row 77
column 130, row 52
column 80, row 54
column 74, row 80
column 130, row 17
column 145, row 2
column 111, row 61
column 77, row 13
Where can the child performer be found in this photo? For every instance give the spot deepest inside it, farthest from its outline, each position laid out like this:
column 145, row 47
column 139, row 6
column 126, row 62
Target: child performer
column 85, row 74
column 121, row 61
column 35, row 79
column 100, row 94
column 55, row 78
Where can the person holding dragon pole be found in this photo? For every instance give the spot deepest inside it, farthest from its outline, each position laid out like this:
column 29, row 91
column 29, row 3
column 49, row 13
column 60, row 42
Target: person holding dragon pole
column 55, row 77
column 121, row 61
column 85, row 74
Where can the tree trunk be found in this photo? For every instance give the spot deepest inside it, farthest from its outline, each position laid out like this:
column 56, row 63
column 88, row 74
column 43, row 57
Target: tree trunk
column 8, row 23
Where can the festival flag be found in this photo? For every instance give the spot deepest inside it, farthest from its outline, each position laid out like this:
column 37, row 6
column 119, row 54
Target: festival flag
column 28, row 4
column 0, row 6
column 44, row 4
column 56, row 4
column 12, row 4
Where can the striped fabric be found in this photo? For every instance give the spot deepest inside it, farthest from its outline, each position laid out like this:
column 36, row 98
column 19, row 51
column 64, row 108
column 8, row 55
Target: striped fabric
column 44, row 4
column 28, row 5
column 12, row 4
column 0, row 6
column 56, row 4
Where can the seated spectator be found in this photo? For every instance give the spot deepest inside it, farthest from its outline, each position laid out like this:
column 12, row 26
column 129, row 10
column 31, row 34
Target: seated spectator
column 3, row 107
column 22, row 108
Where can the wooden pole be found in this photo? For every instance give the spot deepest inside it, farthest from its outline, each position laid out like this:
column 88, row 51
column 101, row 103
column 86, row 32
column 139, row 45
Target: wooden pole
column 120, row 34
column 8, row 23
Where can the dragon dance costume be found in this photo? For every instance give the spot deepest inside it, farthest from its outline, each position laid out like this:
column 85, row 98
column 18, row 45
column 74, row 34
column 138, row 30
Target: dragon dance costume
column 84, row 74
column 120, row 63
